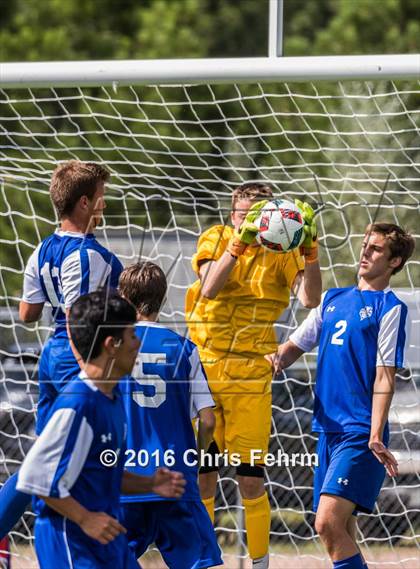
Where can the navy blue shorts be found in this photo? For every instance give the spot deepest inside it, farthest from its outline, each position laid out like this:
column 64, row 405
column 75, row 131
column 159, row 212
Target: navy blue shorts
column 181, row 530
column 348, row 468
column 62, row 544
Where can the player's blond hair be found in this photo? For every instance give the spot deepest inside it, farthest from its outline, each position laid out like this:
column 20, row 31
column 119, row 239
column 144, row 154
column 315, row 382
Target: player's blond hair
column 251, row 191
column 401, row 243
column 72, row 180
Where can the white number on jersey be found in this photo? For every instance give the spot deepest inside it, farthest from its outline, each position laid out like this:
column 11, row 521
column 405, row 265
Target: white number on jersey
column 341, row 325
column 49, row 285
column 145, row 380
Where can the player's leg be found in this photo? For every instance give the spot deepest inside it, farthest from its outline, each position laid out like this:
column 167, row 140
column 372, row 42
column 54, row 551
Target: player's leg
column 352, row 482
column 185, row 535
column 139, row 519
column 352, row 530
column 257, row 512
column 331, row 522
column 247, row 414
column 208, row 472
column 13, row 504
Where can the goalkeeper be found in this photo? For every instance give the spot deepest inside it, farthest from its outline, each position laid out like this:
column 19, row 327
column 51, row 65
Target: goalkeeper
column 242, row 290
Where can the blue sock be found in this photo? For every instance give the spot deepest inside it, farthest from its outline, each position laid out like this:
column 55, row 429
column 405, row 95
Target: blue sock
column 13, row 504
column 354, row 562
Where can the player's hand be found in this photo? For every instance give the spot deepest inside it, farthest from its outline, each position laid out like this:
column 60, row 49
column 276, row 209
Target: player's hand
column 247, row 232
column 102, row 527
column 275, row 362
column 309, row 247
column 385, row 457
column 168, row 483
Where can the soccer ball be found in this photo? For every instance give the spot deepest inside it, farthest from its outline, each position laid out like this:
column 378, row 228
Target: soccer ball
column 280, row 225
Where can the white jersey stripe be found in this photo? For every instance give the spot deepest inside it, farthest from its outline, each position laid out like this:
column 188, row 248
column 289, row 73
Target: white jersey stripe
column 66, row 543
column 388, row 336
column 199, row 388
column 78, row 457
column 38, row 470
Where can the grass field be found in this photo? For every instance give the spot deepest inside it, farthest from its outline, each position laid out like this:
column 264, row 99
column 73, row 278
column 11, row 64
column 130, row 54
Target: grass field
column 309, row 557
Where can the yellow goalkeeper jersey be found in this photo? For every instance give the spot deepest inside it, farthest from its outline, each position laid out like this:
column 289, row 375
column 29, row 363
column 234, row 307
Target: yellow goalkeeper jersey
column 240, row 319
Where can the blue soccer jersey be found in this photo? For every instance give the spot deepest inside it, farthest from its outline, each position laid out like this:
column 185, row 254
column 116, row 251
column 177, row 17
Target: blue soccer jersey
column 167, row 390
column 65, row 266
column 356, row 332
column 67, row 460
column 78, row 454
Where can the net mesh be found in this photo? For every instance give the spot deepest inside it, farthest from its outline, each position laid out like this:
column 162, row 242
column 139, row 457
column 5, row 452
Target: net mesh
column 351, row 149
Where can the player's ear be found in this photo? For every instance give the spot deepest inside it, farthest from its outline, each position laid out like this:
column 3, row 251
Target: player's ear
column 395, row 262
column 111, row 344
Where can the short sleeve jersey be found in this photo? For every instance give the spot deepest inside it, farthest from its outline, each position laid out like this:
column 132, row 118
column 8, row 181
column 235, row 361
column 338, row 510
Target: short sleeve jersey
column 168, row 388
column 65, row 266
column 240, row 319
column 356, row 332
column 69, row 457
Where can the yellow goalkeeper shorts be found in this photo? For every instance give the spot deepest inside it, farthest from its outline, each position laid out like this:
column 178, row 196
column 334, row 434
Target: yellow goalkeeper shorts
column 241, row 389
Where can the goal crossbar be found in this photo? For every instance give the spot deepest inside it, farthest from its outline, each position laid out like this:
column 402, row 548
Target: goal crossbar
column 196, row 71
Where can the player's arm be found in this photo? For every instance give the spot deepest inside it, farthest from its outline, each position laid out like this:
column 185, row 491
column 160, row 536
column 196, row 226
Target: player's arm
column 97, row 525
column 206, row 425
column 214, row 274
column 202, row 402
column 389, row 357
column 307, row 285
column 303, row 339
column 383, row 391
column 164, row 482
column 33, row 298
column 52, row 466
column 285, row 356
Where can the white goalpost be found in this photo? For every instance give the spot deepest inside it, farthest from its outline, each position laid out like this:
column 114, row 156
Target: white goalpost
column 178, row 137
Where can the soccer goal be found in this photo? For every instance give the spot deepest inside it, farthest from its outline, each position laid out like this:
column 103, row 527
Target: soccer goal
column 339, row 132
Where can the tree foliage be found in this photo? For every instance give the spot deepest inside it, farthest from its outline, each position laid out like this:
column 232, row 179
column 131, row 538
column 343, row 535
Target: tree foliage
column 31, row 30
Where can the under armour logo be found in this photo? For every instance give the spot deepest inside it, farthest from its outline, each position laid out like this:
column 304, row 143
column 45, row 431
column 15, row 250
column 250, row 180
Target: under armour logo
column 330, row 308
column 106, row 438
column 343, row 481
column 366, row 312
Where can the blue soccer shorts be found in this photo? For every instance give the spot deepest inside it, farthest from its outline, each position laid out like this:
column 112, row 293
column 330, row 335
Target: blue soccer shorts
column 348, row 468
column 181, row 530
column 57, row 366
column 61, row 544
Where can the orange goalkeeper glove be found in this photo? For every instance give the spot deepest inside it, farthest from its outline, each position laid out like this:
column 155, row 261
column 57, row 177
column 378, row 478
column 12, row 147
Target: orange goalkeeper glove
column 309, row 247
column 247, row 232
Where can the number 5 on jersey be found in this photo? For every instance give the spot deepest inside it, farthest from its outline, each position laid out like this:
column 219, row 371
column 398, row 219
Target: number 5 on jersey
column 147, row 380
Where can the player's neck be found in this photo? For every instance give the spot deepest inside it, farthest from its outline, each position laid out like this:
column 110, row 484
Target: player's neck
column 378, row 283
column 73, row 226
column 151, row 318
column 104, row 378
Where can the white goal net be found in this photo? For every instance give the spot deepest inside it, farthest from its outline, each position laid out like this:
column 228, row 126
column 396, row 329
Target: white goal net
column 351, row 149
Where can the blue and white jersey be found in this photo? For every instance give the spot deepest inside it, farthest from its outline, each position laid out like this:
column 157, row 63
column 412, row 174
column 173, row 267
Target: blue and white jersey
column 167, row 390
column 84, row 430
column 356, row 332
column 65, row 266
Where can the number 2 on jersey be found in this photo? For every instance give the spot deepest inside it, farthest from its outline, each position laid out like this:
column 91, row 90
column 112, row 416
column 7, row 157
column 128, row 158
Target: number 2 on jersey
column 341, row 325
column 149, row 379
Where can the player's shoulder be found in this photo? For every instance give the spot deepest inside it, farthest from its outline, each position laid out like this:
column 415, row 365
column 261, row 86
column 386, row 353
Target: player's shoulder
column 336, row 293
column 216, row 233
column 78, row 394
column 391, row 300
column 159, row 329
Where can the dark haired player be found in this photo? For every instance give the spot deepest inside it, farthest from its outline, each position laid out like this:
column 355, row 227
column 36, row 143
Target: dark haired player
column 76, row 464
